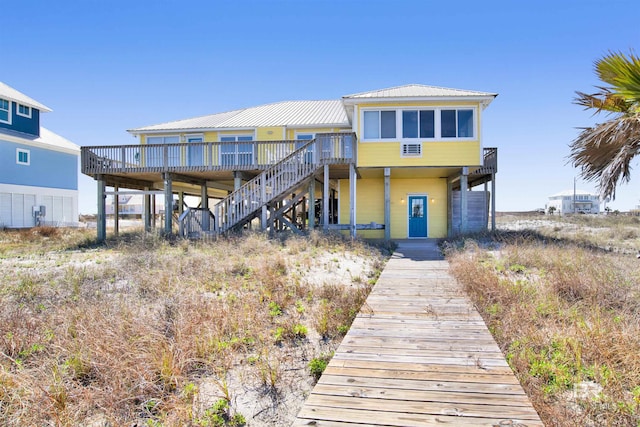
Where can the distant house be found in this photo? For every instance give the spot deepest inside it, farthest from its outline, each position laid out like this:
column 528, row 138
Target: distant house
column 38, row 168
column 568, row 202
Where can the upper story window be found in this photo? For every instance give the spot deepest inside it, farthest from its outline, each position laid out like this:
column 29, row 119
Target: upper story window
column 23, row 157
column 379, row 124
column 457, row 123
column 5, row 111
column 426, row 123
column 418, row 123
column 24, row 111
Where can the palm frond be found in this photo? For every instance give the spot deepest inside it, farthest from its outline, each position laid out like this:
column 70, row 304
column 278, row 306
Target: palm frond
column 604, row 152
column 622, row 73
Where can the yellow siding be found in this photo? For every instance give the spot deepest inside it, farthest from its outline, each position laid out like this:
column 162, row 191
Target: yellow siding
column 370, row 205
column 273, row 133
column 458, row 153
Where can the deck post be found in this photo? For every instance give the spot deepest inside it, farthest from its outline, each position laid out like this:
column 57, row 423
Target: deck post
column 101, row 224
column 263, row 197
column 168, row 204
column 146, row 210
column 181, row 202
column 325, row 199
column 237, row 180
column 449, row 208
column 464, row 179
column 116, row 211
column 304, row 213
column 204, row 195
column 387, row 203
column 312, row 203
column 493, row 201
column 352, row 199
column 153, row 211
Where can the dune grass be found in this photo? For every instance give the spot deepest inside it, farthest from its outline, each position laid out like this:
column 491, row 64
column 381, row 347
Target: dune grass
column 126, row 333
column 566, row 313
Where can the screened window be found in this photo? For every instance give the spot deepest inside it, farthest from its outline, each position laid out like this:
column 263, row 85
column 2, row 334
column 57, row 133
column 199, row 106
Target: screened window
column 418, row 123
column 236, row 154
column 23, row 157
column 24, row 111
column 456, row 123
column 379, row 124
column 5, row 111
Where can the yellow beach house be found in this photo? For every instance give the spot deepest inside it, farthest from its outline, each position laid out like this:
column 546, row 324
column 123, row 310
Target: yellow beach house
column 395, row 163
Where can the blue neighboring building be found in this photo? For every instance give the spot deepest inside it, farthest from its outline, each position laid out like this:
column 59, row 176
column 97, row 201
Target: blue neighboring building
column 38, row 168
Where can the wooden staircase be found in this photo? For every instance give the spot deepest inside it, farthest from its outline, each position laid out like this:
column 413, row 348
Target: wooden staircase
column 283, row 178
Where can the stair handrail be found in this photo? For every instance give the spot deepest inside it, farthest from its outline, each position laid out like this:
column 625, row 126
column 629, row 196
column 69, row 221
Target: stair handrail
column 278, row 178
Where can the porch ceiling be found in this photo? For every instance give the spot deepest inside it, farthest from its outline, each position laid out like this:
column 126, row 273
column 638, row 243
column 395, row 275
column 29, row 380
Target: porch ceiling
column 409, row 172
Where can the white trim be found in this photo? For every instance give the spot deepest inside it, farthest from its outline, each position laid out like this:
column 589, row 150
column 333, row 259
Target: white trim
column 296, row 133
column 23, row 115
column 8, row 121
column 23, row 151
column 236, row 135
column 463, row 98
column 426, row 214
column 193, row 135
column 38, row 144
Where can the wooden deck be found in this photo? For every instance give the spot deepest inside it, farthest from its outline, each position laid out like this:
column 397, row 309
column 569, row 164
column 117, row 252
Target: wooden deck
column 418, row 354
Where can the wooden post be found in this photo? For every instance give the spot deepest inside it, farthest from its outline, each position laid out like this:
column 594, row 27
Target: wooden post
column 237, row 180
column 181, row 201
column 153, row 211
column 493, row 201
column 116, row 211
column 312, row 203
column 464, row 179
column 204, row 196
column 168, row 204
column 147, row 211
column 304, row 213
column 263, row 196
column 352, row 199
column 101, row 225
column 387, row 203
column 449, row 208
column 325, row 199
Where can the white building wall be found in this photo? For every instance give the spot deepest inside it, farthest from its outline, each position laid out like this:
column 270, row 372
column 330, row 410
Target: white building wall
column 17, row 205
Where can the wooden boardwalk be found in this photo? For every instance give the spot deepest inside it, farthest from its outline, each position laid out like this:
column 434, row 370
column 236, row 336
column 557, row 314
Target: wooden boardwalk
column 418, row 354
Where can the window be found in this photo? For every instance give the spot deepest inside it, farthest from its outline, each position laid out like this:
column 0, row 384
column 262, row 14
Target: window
column 305, row 138
column 236, row 154
column 456, row 123
column 24, row 111
column 5, row 111
column 156, row 154
column 23, row 157
column 379, row 124
column 420, row 123
column 428, row 123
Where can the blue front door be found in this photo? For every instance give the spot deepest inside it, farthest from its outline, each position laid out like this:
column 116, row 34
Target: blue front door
column 417, row 216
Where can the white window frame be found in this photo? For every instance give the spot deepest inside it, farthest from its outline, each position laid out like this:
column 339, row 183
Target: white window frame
column 8, row 110
column 236, row 153
column 23, row 151
column 27, row 115
column 437, row 124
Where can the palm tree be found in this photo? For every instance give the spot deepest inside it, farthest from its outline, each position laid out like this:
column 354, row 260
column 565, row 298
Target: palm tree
column 604, row 152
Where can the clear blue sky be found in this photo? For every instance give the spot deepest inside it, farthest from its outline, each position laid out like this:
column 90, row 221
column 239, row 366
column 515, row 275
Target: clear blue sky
column 107, row 66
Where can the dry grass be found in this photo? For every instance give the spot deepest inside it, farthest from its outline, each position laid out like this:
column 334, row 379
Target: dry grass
column 129, row 333
column 567, row 316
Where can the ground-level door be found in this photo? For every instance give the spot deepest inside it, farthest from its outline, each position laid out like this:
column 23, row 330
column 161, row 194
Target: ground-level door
column 417, row 216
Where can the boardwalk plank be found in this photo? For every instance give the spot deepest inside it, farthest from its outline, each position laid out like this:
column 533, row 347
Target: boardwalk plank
column 417, row 354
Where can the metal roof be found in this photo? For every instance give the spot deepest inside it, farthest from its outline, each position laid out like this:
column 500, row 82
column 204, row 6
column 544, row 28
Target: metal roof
column 7, row 92
column 286, row 113
column 418, row 91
